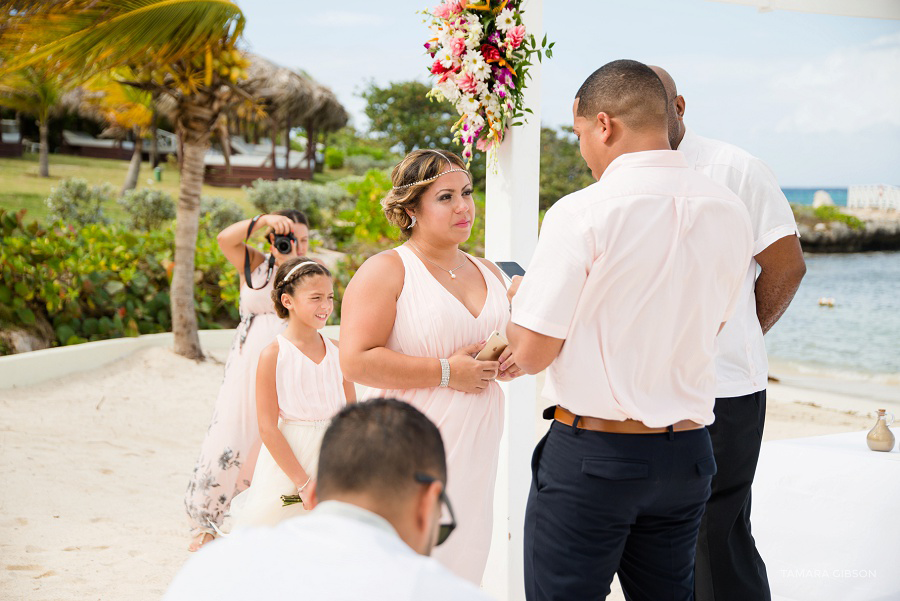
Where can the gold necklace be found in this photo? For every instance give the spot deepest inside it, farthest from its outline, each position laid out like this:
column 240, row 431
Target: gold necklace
column 450, row 271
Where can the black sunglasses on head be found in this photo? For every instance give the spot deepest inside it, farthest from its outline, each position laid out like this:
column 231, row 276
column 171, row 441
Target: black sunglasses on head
column 445, row 529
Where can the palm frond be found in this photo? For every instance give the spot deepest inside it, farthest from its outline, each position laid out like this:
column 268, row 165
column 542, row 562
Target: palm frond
column 102, row 34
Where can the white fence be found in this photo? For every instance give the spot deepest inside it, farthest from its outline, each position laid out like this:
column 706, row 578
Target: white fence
column 874, row 196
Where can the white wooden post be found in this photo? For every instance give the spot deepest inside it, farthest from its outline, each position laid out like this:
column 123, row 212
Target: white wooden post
column 511, row 235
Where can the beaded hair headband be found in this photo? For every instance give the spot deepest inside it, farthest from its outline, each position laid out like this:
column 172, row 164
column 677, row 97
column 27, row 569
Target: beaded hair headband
column 431, row 179
column 295, row 268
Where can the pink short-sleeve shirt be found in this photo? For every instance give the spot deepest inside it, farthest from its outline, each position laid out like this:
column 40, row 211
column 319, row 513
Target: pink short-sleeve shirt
column 636, row 273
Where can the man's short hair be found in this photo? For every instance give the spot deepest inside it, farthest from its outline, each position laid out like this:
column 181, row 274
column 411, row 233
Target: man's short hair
column 377, row 447
column 627, row 90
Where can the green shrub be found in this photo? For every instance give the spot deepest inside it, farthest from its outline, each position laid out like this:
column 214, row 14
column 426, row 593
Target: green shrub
column 320, row 202
column 366, row 217
column 334, row 158
column 832, row 213
column 359, row 150
column 361, row 163
column 147, row 209
column 75, row 202
column 99, row 281
column 219, row 213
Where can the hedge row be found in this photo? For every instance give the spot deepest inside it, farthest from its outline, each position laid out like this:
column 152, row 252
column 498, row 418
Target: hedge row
column 103, row 281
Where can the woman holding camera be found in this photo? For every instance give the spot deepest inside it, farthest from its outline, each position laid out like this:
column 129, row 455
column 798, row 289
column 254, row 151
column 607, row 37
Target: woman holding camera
column 228, row 454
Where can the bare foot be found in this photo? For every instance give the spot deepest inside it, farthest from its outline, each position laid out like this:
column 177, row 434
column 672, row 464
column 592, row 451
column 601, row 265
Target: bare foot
column 200, row 540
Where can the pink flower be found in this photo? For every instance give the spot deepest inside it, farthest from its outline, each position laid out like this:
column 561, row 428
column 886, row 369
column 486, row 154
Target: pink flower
column 467, row 83
column 448, row 9
column 458, row 46
column 515, row 36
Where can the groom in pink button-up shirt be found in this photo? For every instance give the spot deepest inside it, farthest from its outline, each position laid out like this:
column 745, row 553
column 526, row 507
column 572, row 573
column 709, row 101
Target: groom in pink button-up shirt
column 631, row 281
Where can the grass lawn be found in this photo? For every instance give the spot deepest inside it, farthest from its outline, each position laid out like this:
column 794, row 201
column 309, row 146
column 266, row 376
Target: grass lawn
column 22, row 188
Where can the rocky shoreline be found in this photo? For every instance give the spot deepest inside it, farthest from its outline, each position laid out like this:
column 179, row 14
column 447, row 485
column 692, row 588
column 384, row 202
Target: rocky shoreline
column 880, row 232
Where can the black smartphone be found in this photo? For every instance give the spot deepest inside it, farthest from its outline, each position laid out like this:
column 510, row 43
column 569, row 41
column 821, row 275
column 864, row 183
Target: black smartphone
column 510, row 268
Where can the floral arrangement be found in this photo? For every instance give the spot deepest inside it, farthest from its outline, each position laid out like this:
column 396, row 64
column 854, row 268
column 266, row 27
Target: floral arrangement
column 481, row 54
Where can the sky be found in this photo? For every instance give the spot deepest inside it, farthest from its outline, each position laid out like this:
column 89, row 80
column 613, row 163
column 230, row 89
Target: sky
column 817, row 97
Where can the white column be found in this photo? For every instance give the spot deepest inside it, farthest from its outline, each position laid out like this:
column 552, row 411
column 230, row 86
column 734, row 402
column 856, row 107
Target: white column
column 512, row 228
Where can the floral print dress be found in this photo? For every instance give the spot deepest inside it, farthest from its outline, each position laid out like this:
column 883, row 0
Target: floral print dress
column 228, row 453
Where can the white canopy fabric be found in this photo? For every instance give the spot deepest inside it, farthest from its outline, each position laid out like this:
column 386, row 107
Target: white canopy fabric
column 874, row 9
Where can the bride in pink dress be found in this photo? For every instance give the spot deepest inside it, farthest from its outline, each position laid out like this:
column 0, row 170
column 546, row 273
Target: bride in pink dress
column 411, row 320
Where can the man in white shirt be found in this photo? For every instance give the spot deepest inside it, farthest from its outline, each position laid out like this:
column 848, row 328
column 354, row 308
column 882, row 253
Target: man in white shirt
column 630, row 282
column 728, row 567
column 380, row 493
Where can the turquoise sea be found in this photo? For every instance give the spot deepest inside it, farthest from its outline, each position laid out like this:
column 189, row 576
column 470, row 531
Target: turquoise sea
column 861, row 333
column 804, row 196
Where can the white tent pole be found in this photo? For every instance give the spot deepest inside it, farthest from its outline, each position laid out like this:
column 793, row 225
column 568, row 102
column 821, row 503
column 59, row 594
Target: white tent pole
column 512, row 228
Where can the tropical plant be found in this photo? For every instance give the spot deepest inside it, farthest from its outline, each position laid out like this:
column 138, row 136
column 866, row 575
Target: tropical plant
column 147, row 209
column 183, row 49
column 102, row 281
column 125, row 109
column 74, row 202
column 35, row 90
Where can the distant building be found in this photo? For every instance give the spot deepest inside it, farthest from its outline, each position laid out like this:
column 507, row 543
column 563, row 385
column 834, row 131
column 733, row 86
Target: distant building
column 874, row 196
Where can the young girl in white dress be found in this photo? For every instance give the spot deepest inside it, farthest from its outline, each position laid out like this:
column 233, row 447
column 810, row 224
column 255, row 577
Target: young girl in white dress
column 299, row 388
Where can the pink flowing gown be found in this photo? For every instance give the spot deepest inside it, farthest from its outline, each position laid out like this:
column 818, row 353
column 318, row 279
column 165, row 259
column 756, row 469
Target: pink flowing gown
column 228, row 453
column 431, row 322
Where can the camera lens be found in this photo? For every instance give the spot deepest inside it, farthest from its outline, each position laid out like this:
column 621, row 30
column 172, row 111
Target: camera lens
column 283, row 243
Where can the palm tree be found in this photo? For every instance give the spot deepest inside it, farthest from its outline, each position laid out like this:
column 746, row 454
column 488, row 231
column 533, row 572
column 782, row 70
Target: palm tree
column 125, row 109
column 184, row 49
column 34, row 91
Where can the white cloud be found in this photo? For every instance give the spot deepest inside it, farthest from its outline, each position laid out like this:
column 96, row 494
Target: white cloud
column 345, row 18
column 848, row 90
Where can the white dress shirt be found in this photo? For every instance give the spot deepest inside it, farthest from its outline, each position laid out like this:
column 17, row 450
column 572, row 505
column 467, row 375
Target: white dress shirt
column 637, row 272
column 741, row 364
column 339, row 552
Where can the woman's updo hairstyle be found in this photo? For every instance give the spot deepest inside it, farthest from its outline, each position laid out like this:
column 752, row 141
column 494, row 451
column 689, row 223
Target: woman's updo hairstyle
column 292, row 214
column 287, row 285
column 411, row 177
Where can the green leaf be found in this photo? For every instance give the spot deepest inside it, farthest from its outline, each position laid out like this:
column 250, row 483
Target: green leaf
column 64, row 333
column 544, row 42
column 5, row 295
column 26, row 316
column 113, row 287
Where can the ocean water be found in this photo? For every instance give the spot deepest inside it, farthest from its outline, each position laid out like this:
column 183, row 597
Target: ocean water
column 861, row 333
column 804, row 196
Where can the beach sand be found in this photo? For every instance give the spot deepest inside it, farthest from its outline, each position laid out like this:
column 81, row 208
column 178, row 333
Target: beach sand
column 96, row 467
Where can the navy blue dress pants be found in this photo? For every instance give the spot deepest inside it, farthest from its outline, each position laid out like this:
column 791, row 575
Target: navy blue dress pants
column 603, row 503
column 729, row 568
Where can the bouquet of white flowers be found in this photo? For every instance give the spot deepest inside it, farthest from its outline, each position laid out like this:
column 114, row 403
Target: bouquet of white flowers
column 481, row 55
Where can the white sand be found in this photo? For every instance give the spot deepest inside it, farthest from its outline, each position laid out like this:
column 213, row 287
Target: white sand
column 95, row 467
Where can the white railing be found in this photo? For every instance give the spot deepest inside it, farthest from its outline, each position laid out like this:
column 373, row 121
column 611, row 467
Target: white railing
column 874, row 196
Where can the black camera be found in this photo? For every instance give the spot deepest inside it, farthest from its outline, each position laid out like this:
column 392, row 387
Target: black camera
column 283, row 244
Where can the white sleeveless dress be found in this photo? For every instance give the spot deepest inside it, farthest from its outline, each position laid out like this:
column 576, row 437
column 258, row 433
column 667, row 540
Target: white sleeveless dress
column 431, row 322
column 309, row 395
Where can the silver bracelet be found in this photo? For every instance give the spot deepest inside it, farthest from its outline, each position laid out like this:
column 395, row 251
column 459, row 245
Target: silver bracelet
column 445, row 373
column 300, row 490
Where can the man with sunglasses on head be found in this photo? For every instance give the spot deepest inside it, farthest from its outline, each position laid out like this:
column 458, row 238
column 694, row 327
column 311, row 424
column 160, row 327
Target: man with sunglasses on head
column 379, row 503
